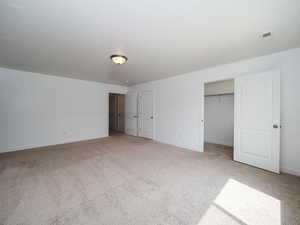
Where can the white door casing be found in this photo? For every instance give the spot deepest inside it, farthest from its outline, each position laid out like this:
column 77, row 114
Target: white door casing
column 201, row 122
column 131, row 113
column 257, row 120
column 145, row 107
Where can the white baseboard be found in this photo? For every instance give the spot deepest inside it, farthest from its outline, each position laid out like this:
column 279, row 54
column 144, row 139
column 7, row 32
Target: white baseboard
column 26, row 147
column 290, row 171
column 190, row 148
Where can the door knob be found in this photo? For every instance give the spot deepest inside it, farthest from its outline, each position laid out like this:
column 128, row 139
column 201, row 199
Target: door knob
column 134, row 116
column 275, row 126
column 151, row 117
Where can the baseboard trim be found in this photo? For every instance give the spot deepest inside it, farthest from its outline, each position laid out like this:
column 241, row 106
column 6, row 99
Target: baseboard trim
column 189, row 148
column 290, row 171
column 31, row 147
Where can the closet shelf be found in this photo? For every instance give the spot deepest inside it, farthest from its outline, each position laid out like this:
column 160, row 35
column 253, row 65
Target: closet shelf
column 219, row 94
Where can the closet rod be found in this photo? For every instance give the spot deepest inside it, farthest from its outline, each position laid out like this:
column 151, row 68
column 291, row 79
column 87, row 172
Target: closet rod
column 219, row 94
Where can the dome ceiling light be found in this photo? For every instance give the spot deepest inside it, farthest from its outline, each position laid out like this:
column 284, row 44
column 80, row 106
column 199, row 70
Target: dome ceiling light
column 118, row 59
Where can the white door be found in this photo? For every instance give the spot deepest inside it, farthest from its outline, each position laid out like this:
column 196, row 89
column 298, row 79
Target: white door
column 131, row 113
column 145, row 123
column 257, row 120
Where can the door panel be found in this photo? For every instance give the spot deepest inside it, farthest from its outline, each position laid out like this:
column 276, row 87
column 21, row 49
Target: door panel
column 131, row 113
column 261, row 148
column 146, row 114
column 256, row 104
column 257, row 108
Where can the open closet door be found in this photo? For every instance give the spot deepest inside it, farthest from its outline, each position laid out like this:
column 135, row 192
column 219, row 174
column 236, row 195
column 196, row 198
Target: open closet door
column 131, row 113
column 257, row 120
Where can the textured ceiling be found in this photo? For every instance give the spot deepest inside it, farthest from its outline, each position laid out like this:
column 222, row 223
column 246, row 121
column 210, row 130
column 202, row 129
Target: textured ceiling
column 74, row 38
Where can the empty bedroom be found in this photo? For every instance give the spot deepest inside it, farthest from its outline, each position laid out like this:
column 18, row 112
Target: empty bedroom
column 149, row 112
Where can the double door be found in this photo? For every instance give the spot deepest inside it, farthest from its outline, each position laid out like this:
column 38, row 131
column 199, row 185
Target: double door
column 139, row 113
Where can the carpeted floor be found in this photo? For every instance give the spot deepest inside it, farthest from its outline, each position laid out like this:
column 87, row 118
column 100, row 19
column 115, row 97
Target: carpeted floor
column 129, row 180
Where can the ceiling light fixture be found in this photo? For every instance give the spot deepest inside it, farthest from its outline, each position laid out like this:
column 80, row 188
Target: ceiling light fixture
column 118, row 59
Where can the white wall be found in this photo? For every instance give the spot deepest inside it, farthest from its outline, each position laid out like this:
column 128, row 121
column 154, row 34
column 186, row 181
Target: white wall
column 178, row 114
column 40, row 110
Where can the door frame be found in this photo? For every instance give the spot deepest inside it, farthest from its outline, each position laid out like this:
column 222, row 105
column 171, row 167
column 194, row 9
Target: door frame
column 139, row 93
column 107, row 104
column 115, row 100
column 203, row 107
column 126, row 113
column 224, row 78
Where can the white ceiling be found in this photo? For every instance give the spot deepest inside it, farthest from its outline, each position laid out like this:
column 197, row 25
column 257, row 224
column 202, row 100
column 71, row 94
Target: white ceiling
column 161, row 38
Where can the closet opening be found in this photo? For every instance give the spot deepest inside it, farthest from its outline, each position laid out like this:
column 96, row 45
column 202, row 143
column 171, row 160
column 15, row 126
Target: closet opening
column 116, row 114
column 219, row 118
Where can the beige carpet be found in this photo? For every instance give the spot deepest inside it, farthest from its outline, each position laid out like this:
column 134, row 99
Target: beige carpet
column 128, row 180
